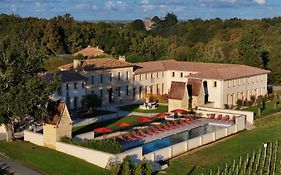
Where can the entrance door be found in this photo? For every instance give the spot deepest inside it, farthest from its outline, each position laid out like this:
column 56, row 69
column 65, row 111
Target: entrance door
column 134, row 93
column 110, row 95
column 206, row 99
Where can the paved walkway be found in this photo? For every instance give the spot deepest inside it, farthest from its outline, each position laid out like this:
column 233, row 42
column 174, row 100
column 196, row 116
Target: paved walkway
column 17, row 168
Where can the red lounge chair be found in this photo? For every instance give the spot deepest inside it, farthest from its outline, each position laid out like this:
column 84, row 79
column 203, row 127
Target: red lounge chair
column 212, row 116
column 153, row 129
column 136, row 135
column 176, row 124
column 149, row 132
column 225, row 118
column 120, row 137
column 188, row 121
column 181, row 122
column 142, row 133
column 130, row 137
column 171, row 126
column 219, row 117
column 166, row 127
column 159, row 128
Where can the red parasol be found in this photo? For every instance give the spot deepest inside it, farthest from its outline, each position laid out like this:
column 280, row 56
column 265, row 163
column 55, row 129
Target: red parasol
column 123, row 124
column 179, row 111
column 144, row 120
column 162, row 115
column 104, row 130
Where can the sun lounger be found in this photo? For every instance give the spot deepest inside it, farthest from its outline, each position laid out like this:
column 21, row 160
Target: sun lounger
column 130, row 137
column 171, row 126
column 153, row 129
column 219, row 117
column 166, row 127
column 121, row 137
column 159, row 128
column 188, row 121
column 136, row 135
column 212, row 116
column 149, row 131
column 225, row 118
column 175, row 123
column 142, row 133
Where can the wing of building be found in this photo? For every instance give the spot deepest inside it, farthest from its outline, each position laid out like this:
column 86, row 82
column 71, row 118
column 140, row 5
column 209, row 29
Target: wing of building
column 208, row 84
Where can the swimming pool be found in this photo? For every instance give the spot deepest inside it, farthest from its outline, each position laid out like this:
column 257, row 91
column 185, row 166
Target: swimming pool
column 180, row 137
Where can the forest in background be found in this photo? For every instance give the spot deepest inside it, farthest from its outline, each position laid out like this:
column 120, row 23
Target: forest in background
column 252, row 42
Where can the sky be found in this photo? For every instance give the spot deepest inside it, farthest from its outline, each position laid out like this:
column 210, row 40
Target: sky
column 140, row 9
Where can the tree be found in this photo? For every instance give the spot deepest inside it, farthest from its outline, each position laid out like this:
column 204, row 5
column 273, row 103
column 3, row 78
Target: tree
column 261, row 105
column 136, row 25
column 250, row 47
column 91, row 101
column 113, row 165
column 126, row 169
column 22, row 92
column 137, row 169
column 146, row 167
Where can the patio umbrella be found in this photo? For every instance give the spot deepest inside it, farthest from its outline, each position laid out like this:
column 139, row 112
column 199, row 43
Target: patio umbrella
column 179, row 111
column 103, row 130
column 144, row 120
column 123, row 124
column 162, row 115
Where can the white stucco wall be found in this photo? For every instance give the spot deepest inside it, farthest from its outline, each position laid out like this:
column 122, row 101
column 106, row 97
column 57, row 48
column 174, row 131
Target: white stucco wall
column 34, row 138
column 2, row 129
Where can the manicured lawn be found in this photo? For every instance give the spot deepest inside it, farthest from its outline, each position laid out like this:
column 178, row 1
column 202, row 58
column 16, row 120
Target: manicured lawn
column 202, row 160
column 269, row 109
column 53, row 63
column 48, row 161
column 132, row 120
column 135, row 108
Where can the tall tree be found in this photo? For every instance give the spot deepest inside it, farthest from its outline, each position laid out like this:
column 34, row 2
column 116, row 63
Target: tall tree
column 22, row 92
column 250, row 47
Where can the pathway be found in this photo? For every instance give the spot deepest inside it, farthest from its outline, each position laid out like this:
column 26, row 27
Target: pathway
column 17, row 168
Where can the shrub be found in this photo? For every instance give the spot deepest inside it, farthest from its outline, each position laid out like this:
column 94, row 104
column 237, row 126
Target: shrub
column 253, row 98
column 110, row 146
column 113, row 166
column 226, row 106
column 137, row 169
column 239, row 102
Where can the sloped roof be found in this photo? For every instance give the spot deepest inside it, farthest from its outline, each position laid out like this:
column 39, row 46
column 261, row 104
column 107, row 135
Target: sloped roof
column 196, row 86
column 177, row 90
column 90, row 51
column 65, row 76
column 55, row 112
column 100, row 63
column 201, row 70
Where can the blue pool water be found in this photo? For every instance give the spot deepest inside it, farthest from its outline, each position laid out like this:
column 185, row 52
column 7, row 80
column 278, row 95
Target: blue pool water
column 180, row 137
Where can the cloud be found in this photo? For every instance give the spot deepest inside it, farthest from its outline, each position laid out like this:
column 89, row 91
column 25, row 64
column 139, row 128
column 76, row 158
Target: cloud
column 115, row 5
column 85, row 6
column 260, row 2
column 146, row 5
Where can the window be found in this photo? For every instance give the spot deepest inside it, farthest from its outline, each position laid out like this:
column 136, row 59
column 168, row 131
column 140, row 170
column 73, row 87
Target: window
column 181, row 74
column 157, row 75
column 110, row 78
column 127, row 75
column 101, row 93
column 163, row 74
column 151, row 75
column 92, row 92
column 101, row 78
column 215, row 83
column 145, row 89
column 59, row 91
column 162, row 88
column 83, row 85
column 66, row 86
column 140, row 76
column 119, row 76
column 173, row 74
column 75, row 85
column 157, row 89
column 119, row 91
column 75, row 102
column 151, row 89
column 127, row 90
column 140, row 91
column 92, row 79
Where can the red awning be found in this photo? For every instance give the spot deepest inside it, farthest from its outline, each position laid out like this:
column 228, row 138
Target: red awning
column 179, row 111
column 123, row 124
column 144, row 120
column 161, row 115
column 103, row 130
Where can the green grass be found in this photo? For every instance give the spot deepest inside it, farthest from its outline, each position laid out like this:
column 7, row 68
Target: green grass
column 202, row 160
column 48, row 161
column 269, row 109
column 53, row 63
column 132, row 119
column 135, row 108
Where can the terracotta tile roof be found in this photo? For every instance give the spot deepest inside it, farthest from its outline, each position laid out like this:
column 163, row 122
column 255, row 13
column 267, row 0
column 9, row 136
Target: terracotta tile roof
column 228, row 73
column 177, row 90
column 65, row 76
column 90, row 51
column 196, row 86
column 55, row 112
column 97, row 64
column 201, row 70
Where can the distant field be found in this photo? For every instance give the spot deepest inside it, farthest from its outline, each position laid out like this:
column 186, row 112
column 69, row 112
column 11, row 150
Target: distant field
column 53, row 63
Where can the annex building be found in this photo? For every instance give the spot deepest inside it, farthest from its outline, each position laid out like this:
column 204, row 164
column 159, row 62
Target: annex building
column 186, row 83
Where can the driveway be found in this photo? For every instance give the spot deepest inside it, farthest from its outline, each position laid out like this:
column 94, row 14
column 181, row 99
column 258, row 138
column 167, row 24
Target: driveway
column 17, row 168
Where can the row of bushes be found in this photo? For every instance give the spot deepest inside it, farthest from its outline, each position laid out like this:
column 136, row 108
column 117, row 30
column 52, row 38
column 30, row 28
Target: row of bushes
column 110, row 146
column 128, row 168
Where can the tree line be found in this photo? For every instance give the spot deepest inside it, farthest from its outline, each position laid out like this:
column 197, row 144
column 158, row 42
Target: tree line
column 251, row 42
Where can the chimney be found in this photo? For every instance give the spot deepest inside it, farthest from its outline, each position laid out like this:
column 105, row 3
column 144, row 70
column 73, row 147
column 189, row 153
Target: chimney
column 122, row 58
column 77, row 63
